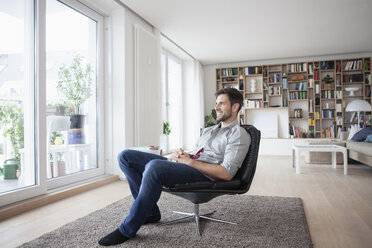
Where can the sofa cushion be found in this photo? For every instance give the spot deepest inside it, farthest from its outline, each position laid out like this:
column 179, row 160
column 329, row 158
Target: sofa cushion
column 362, row 134
column 353, row 130
column 369, row 139
column 360, row 147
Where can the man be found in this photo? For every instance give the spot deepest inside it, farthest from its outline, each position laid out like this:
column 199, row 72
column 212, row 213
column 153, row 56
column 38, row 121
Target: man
column 218, row 155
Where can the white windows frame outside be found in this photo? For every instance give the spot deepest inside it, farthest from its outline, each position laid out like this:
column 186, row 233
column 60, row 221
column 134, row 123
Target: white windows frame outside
column 38, row 63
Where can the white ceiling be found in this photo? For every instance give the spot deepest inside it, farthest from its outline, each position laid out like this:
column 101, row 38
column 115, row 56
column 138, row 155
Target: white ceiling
column 221, row 31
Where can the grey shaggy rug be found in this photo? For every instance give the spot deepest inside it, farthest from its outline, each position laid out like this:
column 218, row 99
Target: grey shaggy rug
column 262, row 222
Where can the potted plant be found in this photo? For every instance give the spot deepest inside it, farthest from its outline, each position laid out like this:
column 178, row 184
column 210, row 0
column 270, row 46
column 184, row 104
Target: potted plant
column 57, row 139
column 75, row 83
column 208, row 119
column 11, row 119
column 327, row 82
column 163, row 139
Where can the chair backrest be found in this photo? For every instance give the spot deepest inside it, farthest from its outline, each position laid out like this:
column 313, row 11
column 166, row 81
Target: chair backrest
column 247, row 170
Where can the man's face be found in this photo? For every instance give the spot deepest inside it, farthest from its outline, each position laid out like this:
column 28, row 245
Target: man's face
column 223, row 108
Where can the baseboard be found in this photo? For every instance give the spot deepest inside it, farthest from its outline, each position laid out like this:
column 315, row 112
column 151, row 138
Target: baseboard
column 39, row 201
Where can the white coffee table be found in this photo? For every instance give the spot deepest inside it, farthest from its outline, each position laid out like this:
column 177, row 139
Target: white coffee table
column 296, row 152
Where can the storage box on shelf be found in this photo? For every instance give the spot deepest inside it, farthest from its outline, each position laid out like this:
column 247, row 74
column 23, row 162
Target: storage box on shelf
column 320, row 89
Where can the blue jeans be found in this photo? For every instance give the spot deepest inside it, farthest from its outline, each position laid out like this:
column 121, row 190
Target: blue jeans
column 147, row 173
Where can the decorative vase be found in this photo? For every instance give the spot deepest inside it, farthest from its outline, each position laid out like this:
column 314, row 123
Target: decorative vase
column 253, row 85
column 76, row 136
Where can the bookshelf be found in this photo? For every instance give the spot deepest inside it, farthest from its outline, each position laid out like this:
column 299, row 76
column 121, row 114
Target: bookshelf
column 315, row 93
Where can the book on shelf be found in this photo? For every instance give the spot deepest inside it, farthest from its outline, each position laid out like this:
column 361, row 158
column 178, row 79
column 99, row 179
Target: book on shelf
column 275, row 78
column 338, row 107
column 249, row 104
column 329, row 132
column 368, row 93
column 311, row 106
column 285, row 83
column 367, row 65
column 316, row 75
column 368, row 78
column 301, row 86
column 339, row 120
column 311, row 69
column 353, row 65
column 328, row 113
column 317, row 115
column 339, row 94
column 338, row 69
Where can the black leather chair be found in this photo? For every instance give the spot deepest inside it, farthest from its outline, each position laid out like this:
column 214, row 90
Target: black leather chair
column 202, row 192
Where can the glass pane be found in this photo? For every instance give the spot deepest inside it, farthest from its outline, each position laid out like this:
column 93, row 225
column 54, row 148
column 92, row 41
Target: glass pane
column 71, row 62
column 17, row 167
column 174, row 100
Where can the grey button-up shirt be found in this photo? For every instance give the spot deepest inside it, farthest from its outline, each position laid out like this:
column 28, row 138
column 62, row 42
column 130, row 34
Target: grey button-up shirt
column 226, row 146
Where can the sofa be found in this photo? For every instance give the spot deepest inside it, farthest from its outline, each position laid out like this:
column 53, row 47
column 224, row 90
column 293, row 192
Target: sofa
column 359, row 151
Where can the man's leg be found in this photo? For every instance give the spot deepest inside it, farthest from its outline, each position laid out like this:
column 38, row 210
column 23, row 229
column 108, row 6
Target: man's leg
column 157, row 173
column 133, row 163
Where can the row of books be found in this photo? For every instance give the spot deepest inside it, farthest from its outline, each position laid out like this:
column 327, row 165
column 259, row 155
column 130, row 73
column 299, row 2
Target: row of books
column 329, row 132
column 275, row 78
column 299, row 67
column 353, row 78
column 353, row 65
column 328, row 94
column 300, row 86
column 229, row 72
column 367, row 65
column 328, row 113
column 285, row 83
column 340, row 130
column 253, row 70
column 275, row 90
column 225, row 86
column 298, row 95
column 253, row 104
column 296, row 131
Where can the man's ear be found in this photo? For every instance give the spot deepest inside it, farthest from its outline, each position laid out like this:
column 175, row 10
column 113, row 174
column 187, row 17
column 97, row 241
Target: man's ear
column 235, row 107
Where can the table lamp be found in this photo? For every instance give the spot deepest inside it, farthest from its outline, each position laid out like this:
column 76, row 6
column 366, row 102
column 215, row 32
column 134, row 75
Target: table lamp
column 358, row 106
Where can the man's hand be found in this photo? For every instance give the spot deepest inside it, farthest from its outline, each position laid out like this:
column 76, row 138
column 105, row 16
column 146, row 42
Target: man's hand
column 181, row 157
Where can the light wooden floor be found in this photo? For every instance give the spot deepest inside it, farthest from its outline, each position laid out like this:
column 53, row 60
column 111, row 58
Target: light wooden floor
column 338, row 208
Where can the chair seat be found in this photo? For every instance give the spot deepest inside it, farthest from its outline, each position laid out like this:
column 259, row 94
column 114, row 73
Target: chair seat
column 226, row 185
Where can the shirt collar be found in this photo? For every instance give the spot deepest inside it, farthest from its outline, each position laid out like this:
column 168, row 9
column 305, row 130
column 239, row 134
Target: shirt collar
column 230, row 125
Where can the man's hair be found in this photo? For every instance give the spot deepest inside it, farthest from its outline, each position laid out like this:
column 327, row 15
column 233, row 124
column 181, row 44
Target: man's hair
column 234, row 96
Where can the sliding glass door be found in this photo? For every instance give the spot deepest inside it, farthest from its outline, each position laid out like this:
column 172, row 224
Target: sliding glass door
column 17, row 100
column 72, row 78
column 51, row 96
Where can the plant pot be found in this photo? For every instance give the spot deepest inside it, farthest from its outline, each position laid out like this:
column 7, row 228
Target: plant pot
column 10, row 168
column 77, row 121
column 76, row 136
column 61, row 169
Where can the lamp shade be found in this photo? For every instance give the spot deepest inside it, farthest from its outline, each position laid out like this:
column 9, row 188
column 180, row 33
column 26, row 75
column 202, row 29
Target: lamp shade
column 358, row 106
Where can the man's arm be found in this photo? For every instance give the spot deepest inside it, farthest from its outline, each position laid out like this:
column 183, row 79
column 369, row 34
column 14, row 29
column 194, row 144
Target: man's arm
column 212, row 170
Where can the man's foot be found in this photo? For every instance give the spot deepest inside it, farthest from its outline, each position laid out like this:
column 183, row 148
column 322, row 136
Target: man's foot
column 113, row 238
column 152, row 219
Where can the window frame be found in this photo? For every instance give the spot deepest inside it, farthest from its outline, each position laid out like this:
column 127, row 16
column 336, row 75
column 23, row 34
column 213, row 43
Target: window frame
column 38, row 65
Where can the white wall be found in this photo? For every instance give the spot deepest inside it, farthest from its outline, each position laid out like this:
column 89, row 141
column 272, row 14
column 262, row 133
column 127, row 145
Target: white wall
column 123, row 87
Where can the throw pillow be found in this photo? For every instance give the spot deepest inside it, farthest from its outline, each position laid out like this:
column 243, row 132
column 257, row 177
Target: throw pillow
column 362, row 134
column 353, row 130
column 369, row 139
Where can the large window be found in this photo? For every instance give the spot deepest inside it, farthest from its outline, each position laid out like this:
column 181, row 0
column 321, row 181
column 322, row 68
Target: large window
column 71, row 80
column 16, row 95
column 51, row 97
column 172, row 98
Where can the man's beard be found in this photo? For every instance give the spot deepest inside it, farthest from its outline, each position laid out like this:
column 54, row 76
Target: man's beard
column 224, row 117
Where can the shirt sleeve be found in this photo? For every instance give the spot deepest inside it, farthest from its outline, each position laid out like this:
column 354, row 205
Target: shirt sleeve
column 236, row 149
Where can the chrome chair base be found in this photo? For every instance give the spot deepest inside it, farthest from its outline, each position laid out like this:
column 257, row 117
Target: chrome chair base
column 196, row 216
